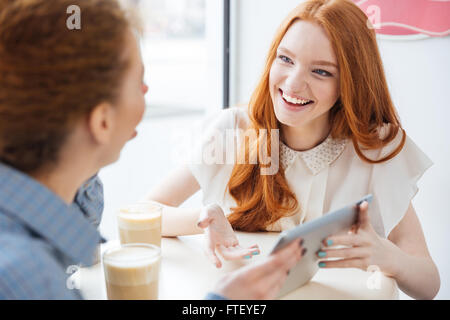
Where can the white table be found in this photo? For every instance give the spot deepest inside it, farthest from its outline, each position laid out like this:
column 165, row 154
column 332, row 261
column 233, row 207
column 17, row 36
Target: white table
column 186, row 273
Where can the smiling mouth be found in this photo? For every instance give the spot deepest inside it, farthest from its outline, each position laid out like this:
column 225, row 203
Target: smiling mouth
column 293, row 101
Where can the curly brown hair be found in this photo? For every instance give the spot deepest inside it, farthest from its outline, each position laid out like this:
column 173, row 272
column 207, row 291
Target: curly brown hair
column 50, row 76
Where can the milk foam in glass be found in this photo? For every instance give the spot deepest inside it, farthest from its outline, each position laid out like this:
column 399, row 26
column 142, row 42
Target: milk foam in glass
column 132, row 272
column 140, row 223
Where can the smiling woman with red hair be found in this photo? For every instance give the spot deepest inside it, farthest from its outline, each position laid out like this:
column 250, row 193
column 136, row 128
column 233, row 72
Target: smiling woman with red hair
column 69, row 101
column 324, row 89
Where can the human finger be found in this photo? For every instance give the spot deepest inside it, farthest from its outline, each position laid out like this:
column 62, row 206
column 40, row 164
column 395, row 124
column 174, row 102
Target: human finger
column 204, row 222
column 275, row 278
column 207, row 213
column 237, row 252
column 346, row 253
column 274, row 284
column 204, row 219
column 285, row 258
column 211, row 254
column 344, row 263
column 349, row 239
column 363, row 215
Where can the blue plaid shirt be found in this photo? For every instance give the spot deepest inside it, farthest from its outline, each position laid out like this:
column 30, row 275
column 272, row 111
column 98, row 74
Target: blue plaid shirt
column 40, row 236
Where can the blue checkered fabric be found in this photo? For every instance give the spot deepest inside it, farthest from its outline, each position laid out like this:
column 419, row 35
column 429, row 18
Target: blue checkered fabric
column 214, row 296
column 89, row 199
column 40, row 236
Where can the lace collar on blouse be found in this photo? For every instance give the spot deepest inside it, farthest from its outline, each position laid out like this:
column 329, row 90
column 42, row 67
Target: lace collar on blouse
column 316, row 158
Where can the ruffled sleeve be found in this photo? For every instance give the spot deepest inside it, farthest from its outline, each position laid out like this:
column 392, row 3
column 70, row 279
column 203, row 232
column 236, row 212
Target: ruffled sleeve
column 394, row 182
column 212, row 159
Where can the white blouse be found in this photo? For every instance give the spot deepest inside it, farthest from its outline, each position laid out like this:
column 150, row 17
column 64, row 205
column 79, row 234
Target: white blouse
column 324, row 178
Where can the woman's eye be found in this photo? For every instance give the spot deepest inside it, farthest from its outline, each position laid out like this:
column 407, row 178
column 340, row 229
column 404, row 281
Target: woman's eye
column 284, row 59
column 322, row 72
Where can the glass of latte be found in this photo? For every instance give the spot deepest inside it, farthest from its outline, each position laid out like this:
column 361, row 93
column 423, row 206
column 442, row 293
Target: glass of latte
column 140, row 223
column 132, row 271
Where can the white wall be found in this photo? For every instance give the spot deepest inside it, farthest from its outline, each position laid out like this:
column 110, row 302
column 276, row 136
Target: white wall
column 418, row 74
column 254, row 23
column 214, row 38
column 419, row 78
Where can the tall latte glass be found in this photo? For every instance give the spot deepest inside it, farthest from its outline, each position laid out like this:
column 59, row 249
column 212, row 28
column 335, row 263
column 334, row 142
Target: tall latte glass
column 132, row 271
column 140, row 223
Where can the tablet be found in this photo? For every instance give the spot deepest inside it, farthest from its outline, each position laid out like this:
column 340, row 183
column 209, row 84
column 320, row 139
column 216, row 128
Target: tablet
column 313, row 233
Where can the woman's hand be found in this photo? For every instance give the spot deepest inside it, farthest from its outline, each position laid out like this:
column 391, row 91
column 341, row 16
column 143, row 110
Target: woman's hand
column 262, row 280
column 220, row 237
column 366, row 248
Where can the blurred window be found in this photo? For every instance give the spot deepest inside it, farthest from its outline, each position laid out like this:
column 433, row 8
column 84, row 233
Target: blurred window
column 174, row 50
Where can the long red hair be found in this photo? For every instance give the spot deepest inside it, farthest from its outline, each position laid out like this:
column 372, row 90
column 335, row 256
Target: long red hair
column 364, row 105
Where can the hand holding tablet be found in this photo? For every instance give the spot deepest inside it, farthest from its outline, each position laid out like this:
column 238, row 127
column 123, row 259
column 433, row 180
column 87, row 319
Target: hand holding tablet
column 313, row 233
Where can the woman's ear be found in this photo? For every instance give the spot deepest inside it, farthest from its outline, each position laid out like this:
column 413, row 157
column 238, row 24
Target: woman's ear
column 101, row 123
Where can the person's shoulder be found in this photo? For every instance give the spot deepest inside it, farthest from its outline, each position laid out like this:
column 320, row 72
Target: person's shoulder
column 241, row 116
column 90, row 200
column 28, row 270
column 410, row 150
column 394, row 181
column 235, row 117
column 385, row 130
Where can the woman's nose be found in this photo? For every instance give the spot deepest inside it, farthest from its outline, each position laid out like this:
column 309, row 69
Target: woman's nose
column 297, row 81
column 144, row 88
